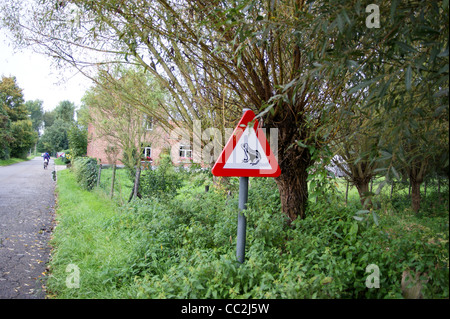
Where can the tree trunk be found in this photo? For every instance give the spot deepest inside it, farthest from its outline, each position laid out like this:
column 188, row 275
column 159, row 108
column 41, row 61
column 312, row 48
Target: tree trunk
column 137, row 180
column 363, row 189
column 416, row 176
column 293, row 189
column 415, row 196
column 293, row 161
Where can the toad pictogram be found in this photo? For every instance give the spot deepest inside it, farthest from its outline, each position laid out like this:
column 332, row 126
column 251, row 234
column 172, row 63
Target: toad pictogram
column 250, row 154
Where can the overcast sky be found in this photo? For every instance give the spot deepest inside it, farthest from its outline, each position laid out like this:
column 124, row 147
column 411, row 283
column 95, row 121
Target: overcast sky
column 36, row 77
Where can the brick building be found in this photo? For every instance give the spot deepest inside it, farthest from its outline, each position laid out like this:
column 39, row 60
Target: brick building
column 176, row 143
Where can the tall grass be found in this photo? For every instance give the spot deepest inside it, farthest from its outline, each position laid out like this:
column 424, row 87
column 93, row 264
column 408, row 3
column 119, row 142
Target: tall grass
column 83, row 238
column 123, row 184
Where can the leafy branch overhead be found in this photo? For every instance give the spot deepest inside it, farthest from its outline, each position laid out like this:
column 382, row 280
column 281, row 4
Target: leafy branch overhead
column 305, row 67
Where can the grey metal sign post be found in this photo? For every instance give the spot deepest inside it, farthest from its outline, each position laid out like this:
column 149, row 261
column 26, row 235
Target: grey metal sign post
column 242, row 222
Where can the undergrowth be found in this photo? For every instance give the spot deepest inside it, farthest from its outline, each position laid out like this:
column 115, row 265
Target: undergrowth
column 184, row 245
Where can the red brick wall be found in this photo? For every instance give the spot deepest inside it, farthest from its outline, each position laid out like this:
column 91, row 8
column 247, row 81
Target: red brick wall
column 158, row 139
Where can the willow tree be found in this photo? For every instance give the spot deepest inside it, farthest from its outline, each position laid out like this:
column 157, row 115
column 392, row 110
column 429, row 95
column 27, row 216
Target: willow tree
column 357, row 157
column 213, row 57
column 408, row 82
column 288, row 60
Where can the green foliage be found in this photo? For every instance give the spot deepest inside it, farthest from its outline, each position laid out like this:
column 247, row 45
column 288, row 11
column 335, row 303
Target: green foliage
column 36, row 112
column 5, row 134
column 11, row 99
column 189, row 251
column 65, row 111
column 49, row 118
column 16, row 131
column 184, row 247
column 163, row 182
column 77, row 138
column 59, row 125
column 55, row 137
column 24, row 138
column 86, row 172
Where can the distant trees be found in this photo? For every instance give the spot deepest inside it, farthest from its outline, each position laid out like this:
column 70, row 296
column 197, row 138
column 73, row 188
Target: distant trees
column 36, row 111
column 17, row 134
column 55, row 138
column 57, row 124
column 403, row 77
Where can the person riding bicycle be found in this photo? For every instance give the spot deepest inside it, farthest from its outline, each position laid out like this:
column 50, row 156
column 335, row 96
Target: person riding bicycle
column 46, row 157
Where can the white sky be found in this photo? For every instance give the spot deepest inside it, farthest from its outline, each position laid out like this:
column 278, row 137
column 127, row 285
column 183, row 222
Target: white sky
column 38, row 79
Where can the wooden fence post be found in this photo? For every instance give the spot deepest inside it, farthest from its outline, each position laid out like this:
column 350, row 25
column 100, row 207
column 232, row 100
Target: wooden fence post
column 99, row 174
column 112, row 180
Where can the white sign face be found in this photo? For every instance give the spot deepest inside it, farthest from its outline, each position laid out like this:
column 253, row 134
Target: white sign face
column 248, row 153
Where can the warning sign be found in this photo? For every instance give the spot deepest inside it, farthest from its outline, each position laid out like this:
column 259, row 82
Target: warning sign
column 247, row 152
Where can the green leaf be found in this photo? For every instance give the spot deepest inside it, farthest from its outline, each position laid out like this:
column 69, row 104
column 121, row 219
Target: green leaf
column 405, row 47
column 289, row 85
column 375, row 218
column 408, row 76
column 385, row 155
column 362, row 85
column 301, row 144
column 380, row 187
column 393, row 9
column 394, row 171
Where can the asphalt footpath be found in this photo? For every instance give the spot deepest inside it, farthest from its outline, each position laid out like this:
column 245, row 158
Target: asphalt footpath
column 27, row 202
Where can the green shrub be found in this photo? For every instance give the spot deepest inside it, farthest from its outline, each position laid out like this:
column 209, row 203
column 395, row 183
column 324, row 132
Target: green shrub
column 163, row 182
column 86, row 172
column 190, row 249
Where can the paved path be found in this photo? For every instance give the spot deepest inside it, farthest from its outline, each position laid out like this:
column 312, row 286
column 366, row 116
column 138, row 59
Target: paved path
column 26, row 220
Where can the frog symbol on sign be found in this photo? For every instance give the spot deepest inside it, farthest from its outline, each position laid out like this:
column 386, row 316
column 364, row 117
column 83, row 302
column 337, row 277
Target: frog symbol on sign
column 250, row 155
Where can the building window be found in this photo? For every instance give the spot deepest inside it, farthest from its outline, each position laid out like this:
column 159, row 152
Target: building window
column 185, row 152
column 147, row 153
column 148, row 122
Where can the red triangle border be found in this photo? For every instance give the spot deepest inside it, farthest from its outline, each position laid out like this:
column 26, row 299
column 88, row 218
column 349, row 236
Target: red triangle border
column 218, row 168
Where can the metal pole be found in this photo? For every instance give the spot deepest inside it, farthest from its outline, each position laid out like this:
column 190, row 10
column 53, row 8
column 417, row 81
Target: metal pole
column 242, row 222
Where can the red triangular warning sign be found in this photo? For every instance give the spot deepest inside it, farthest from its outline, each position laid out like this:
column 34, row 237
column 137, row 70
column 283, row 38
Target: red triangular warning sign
column 247, row 152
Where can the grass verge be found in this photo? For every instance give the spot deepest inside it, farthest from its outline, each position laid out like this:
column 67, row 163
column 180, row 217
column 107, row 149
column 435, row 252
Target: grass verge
column 84, row 247
column 14, row 161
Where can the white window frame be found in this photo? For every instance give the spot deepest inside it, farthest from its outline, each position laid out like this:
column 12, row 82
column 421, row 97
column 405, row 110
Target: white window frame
column 185, row 151
column 149, row 150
